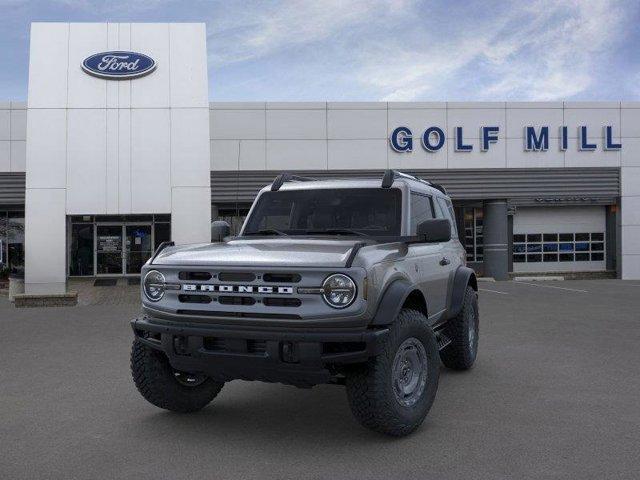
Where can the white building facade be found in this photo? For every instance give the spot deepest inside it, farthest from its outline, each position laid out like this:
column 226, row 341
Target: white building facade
column 95, row 171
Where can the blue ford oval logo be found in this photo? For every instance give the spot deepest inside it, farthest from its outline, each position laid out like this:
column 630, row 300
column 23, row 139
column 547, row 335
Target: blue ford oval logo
column 118, row 65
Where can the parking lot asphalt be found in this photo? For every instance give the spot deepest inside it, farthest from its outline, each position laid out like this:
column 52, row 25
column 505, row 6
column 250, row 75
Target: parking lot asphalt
column 555, row 393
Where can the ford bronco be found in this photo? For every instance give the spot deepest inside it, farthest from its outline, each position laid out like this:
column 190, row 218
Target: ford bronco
column 360, row 283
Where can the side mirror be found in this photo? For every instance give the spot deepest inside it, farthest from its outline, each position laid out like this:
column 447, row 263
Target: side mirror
column 435, row 230
column 219, row 230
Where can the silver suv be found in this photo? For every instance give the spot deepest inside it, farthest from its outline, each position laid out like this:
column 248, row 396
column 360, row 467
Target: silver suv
column 360, row 283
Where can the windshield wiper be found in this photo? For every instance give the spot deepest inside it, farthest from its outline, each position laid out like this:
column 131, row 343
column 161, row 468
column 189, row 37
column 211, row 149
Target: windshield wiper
column 336, row 231
column 268, row 231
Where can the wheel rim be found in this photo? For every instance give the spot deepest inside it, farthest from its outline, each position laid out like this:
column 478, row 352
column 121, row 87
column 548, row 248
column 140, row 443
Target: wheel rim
column 189, row 379
column 409, row 372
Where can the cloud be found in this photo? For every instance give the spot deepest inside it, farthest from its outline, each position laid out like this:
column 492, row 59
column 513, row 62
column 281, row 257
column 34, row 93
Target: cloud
column 105, row 7
column 408, row 50
column 400, row 50
column 560, row 60
column 263, row 28
column 547, row 50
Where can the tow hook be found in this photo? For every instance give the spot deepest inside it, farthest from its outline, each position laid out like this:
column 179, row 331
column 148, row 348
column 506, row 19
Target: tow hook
column 289, row 352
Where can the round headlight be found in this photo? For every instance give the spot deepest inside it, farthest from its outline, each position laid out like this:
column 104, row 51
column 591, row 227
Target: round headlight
column 153, row 285
column 338, row 290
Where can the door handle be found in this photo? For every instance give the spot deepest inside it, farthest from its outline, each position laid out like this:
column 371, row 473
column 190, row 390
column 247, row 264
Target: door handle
column 445, row 261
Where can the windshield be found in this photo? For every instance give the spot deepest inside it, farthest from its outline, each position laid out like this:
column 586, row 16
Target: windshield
column 344, row 211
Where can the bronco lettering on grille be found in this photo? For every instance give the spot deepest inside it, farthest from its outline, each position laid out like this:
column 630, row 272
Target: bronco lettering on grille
column 260, row 289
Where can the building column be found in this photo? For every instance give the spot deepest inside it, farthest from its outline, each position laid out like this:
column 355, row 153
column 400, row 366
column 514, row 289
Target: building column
column 629, row 266
column 45, row 241
column 190, row 215
column 496, row 239
column 611, row 227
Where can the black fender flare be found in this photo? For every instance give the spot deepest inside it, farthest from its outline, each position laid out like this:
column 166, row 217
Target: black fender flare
column 463, row 277
column 391, row 302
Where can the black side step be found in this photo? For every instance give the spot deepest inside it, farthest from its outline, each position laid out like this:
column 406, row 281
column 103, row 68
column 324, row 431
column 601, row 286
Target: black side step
column 443, row 340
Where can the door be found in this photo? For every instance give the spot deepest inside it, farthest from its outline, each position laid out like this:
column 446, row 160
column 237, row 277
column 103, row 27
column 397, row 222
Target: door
column 452, row 250
column 109, row 259
column 431, row 274
column 122, row 249
column 138, row 247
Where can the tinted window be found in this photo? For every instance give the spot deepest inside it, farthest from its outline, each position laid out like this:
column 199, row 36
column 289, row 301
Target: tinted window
column 373, row 211
column 421, row 210
column 447, row 210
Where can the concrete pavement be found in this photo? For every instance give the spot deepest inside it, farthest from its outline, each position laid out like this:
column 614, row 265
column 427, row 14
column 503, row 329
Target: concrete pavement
column 555, row 394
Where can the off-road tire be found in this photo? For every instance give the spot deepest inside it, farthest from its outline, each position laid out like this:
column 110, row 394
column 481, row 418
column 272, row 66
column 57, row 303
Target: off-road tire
column 461, row 353
column 155, row 380
column 370, row 386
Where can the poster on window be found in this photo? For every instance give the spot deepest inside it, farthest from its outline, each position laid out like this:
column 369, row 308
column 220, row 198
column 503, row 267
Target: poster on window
column 109, row 243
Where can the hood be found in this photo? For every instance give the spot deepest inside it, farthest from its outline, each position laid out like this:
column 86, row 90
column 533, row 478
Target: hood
column 276, row 252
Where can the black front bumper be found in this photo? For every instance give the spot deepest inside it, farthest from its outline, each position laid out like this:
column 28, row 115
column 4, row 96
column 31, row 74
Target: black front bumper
column 292, row 356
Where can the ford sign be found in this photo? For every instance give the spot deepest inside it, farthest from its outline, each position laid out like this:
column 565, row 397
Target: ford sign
column 118, row 65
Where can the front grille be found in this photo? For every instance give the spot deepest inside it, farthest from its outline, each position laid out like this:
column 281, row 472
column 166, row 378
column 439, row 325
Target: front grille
column 258, row 347
column 253, row 347
column 194, row 298
column 236, row 277
column 282, row 277
column 195, row 276
column 239, row 292
column 214, row 344
column 231, row 300
column 263, row 291
column 282, row 302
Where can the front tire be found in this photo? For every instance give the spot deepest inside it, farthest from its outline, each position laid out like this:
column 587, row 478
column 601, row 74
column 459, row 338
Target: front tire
column 463, row 331
column 167, row 388
column 393, row 392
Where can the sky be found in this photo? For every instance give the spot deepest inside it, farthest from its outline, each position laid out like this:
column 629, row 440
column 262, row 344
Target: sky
column 377, row 50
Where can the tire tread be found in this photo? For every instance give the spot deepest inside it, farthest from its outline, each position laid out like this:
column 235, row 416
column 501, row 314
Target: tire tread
column 153, row 377
column 367, row 385
column 456, row 355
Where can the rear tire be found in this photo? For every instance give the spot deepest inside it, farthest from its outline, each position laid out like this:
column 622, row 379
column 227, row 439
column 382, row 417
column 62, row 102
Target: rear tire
column 463, row 331
column 393, row 392
column 166, row 388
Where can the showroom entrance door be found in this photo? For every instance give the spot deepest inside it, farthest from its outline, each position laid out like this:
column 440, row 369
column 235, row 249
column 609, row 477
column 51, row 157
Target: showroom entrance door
column 138, row 247
column 122, row 249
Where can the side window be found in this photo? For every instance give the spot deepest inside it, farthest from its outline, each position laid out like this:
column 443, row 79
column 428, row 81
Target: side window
column 421, row 210
column 447, row 210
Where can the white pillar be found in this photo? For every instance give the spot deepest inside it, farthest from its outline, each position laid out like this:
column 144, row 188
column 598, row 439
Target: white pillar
column 630, row 221
column 45, row 241
column 191, row 215
column 97, row 146
column 630, row 191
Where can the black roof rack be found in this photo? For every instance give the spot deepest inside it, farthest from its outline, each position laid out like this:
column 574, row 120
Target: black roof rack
column 390, row 175
column 287, row 177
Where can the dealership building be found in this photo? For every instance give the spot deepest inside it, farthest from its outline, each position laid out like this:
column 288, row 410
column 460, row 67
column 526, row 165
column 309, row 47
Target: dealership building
column 118, row 148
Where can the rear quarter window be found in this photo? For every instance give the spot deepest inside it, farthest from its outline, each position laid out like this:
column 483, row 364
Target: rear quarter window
column 421, row 210
column 446, row 211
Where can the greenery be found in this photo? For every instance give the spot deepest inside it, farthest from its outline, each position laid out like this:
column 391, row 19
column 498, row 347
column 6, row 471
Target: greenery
column 10, row 230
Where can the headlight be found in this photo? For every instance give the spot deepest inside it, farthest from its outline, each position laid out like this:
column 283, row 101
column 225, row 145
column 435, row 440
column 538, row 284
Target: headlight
column 338, row 290
column 153, row 285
